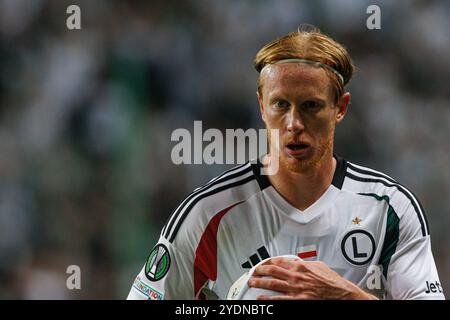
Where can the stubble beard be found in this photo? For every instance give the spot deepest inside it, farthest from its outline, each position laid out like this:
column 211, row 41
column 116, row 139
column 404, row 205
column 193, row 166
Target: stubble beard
column 324, row 150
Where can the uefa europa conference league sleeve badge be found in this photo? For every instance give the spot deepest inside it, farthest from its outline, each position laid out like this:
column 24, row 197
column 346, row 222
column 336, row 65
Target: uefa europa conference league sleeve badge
column 158, row 263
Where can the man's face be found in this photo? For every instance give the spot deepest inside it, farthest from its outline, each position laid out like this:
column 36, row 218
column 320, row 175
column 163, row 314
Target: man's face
column 298, row 100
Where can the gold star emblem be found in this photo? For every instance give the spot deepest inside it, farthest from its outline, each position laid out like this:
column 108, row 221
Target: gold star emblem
column 356, row 220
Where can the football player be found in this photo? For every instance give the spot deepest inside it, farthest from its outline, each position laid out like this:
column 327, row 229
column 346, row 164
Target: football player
column 359, row 233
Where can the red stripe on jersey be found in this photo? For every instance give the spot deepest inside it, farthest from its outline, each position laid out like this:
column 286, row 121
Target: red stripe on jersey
column 205, row 263
column 309, row 254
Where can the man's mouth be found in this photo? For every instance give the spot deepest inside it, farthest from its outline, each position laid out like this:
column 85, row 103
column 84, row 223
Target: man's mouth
column 297, row 146
column 297, row 149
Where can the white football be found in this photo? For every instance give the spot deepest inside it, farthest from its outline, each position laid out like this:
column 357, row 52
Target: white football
column 240, row 289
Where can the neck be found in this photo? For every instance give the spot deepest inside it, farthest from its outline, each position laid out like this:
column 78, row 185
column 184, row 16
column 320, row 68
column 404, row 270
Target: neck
column 302, row 189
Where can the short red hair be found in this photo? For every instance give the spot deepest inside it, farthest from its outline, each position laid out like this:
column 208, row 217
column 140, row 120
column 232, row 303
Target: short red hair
column 310, row 44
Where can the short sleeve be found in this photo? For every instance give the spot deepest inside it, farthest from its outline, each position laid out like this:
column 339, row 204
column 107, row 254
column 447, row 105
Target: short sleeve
column 412, row 272
column 166, row 275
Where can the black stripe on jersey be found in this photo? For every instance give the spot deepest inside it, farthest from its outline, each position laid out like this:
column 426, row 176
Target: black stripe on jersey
column 262, row 179
column 371, row 173
column 377, row 174
column 254, row 259
column 195, row 192
column 400, row 188
column 339, row 173
column 168, row 226
column 204, row 195
column 263, row 253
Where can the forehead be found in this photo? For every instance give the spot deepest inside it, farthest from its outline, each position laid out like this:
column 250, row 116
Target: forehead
column 295, row 78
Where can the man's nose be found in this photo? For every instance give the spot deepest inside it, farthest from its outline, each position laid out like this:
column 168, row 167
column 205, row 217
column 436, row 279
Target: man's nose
column 294, row 121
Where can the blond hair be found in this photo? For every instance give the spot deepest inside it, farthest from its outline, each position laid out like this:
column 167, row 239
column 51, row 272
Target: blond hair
column 311, row 44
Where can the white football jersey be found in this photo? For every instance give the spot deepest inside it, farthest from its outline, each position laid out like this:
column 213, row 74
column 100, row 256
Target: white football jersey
column 367, row 227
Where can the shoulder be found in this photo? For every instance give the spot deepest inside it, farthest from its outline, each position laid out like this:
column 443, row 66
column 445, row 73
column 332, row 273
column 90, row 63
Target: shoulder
column 407, row 207
column 189, row 220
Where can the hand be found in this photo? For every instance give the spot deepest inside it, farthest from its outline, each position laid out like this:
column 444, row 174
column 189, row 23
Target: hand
column 303, row 280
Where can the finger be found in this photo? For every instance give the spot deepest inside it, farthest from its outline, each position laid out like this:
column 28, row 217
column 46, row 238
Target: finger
column 273, row 271
column 285, row 263
column 269, row 284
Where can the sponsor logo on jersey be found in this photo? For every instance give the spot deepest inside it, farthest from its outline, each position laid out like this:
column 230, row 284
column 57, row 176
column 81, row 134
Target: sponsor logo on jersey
column 256, row 258
column 358, row 247
column 146, row 290
column 158, row 263
column 433, row 287
column 307, row 252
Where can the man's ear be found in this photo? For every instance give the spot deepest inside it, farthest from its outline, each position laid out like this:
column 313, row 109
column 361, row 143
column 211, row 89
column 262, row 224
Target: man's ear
column 342, row 106
column 261, row 105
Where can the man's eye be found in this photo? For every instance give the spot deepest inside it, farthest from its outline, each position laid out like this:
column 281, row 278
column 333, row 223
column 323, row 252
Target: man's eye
column 310, row 105
column 281, row 104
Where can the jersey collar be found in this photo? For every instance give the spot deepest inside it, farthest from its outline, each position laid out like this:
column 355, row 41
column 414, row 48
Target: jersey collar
column 317, row 207
column 338, row 177
column 309, row 214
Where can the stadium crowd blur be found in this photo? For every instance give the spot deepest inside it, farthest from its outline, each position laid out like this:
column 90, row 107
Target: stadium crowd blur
column 86, row 116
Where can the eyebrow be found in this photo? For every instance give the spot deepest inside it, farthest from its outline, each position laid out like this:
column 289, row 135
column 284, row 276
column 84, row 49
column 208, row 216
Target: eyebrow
column 279, row 96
